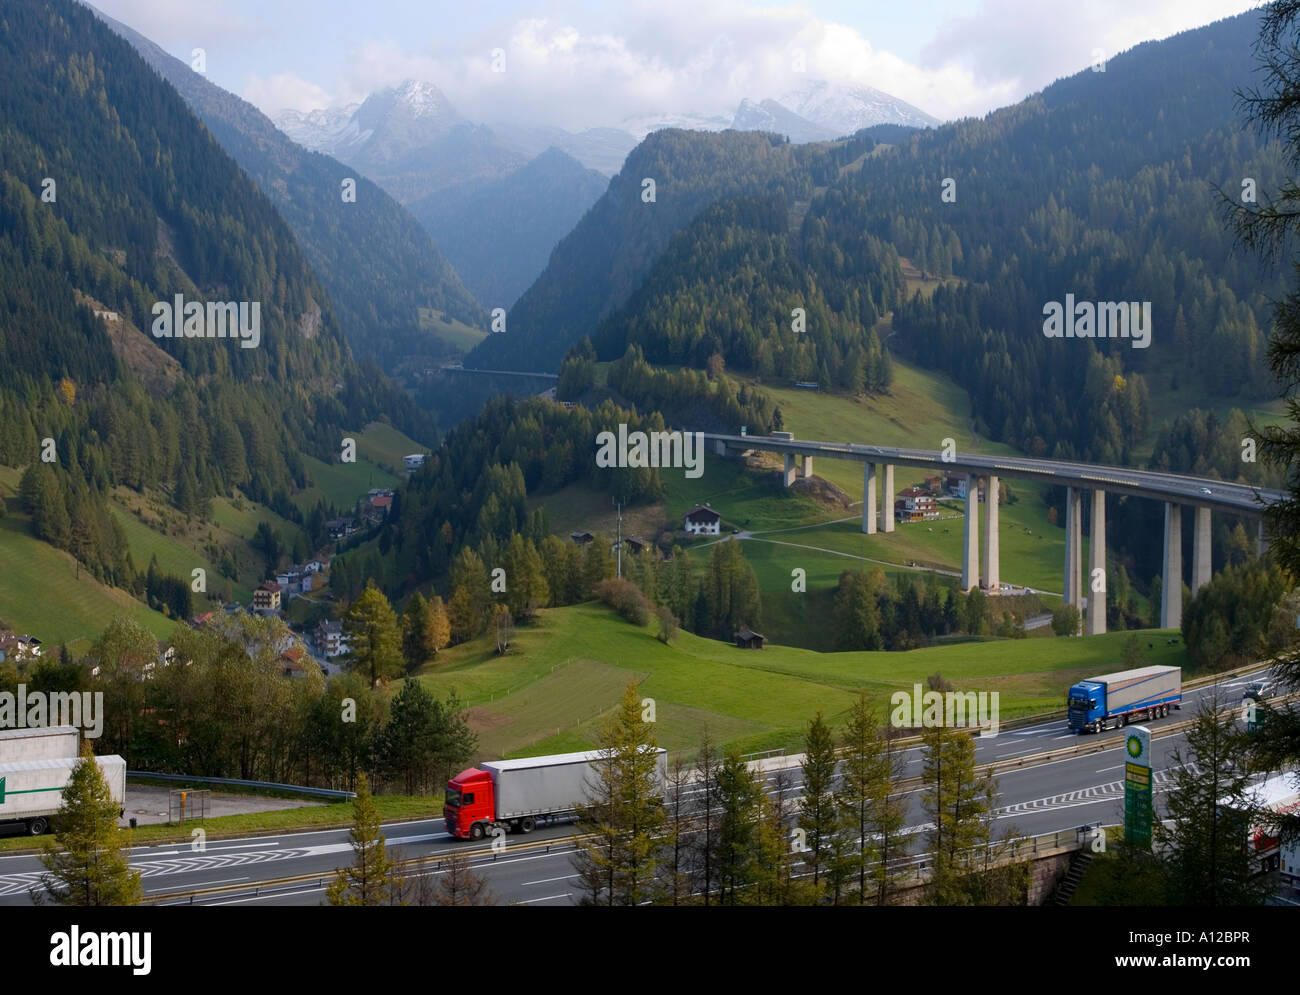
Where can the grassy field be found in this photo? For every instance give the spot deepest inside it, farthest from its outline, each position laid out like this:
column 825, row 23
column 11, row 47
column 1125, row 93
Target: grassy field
column 179, row 555
column 45, row 592
column 565, row 672
column 792, row 529
column 455, row 333
column 340, row 484
column 385, row 446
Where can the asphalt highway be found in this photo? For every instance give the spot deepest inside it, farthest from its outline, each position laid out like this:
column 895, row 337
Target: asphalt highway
column 537, row 869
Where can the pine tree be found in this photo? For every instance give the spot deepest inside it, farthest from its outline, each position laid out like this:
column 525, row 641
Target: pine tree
column 86, row 862
column 370, row 879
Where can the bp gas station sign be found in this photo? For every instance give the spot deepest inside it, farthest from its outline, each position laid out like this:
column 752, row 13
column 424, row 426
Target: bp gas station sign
column 1137, row 787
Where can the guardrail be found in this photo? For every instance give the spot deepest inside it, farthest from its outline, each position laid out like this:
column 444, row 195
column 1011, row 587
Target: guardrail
column 232, row 782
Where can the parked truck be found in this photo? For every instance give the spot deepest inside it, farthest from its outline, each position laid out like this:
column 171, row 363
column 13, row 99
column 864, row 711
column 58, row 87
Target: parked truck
column 1114, row 700
column 518, row 794
column 35, row 766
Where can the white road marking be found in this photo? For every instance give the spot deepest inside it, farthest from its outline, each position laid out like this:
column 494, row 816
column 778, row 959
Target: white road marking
column 566, row 877
column 548, row 898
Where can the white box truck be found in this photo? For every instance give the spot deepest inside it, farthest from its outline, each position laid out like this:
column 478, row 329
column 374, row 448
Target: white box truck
column 46, row 743
column 31, row 791
column 517, row 794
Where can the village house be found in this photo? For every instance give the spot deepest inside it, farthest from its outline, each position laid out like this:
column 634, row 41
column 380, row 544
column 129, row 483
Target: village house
column 267, row 598
column 915, row 504
column 702, row 520
column 414, row 461
column 341, row 528
column 16, row 648
column 330, row 641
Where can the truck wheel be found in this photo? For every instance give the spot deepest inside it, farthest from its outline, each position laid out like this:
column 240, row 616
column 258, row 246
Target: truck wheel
column 37, row 827
column 476, row 831
column 527, row 825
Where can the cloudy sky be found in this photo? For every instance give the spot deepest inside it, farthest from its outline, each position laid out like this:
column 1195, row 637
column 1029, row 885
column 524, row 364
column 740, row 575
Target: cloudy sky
column 583, row 64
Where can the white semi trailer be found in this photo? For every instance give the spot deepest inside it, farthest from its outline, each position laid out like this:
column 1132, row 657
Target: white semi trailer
column 35, row 766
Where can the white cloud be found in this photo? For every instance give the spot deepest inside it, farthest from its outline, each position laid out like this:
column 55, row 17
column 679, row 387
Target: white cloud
column 580, row 66
column 1029, row 44
column 284, row 91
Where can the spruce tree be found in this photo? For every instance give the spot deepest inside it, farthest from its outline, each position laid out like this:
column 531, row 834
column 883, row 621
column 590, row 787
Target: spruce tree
column 819, row 815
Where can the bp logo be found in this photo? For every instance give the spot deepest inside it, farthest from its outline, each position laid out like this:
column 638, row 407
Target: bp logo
column 1134, row 747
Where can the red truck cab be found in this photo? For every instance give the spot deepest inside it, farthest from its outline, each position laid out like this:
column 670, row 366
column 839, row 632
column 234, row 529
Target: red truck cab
column 469, row 808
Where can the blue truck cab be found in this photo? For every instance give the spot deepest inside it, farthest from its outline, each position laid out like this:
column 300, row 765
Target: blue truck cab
column 1114, row 700
column 1087, row 705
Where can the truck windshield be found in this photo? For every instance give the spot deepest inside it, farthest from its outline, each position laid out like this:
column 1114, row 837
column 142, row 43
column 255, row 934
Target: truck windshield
column 1082, row 704
column 453, row 798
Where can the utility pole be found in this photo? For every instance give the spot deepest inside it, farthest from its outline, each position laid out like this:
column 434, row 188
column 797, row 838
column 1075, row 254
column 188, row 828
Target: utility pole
column 619, row 545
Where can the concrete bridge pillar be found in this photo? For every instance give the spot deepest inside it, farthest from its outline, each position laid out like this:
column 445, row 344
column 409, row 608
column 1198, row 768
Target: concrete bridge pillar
column 869, row 499
column 1259, row 540
column 990, row 572
column 807, row 466
column 1171, row 577
column 719, row 448
column 970, row 546
column 789, row 469
column 1097, row 561
column 887, row 498
column 1073, row 548
column 1201, row 567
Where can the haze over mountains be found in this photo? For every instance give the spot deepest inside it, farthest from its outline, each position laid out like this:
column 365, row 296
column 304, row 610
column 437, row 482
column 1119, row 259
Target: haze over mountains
column 390, row 124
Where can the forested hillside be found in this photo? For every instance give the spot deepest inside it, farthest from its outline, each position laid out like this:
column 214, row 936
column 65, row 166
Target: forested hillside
column 605, row 258
column 376, row 261
column 1050, row 197
column 115, row 197
column 499, row 233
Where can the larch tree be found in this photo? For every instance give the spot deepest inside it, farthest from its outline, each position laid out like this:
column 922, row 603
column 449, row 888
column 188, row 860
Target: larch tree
column 371, row 878
column 86, row 863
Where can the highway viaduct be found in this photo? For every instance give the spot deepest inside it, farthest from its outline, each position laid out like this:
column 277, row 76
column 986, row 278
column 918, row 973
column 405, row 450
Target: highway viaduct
column 1202, row 495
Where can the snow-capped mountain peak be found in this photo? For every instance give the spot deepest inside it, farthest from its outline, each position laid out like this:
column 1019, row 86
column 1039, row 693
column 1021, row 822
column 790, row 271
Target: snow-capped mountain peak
column 847, row 107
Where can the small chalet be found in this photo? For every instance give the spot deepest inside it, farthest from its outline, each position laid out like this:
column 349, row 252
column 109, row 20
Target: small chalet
column 634, row 544
column 748, row 639
column 414, row 461
column 702, row 520
column 581, row 538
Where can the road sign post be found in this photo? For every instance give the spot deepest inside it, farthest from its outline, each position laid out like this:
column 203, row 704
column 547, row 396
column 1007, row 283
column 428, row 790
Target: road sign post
column 1137, row 787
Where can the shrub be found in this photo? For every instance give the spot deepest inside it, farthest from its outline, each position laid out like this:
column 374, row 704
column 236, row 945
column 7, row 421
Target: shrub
column 625, row 598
